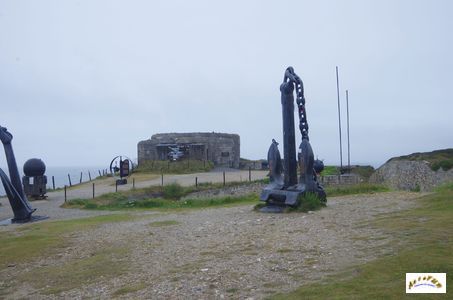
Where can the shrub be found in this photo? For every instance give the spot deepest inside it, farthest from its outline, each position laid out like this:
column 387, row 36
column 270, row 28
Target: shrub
column 173, row 191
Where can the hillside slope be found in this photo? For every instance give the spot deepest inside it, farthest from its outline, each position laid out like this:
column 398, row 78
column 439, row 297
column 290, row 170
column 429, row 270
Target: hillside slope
column 417, row 171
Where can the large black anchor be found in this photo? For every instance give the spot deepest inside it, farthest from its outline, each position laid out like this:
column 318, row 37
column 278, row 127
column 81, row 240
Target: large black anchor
column 19, row 203
column 286, row 189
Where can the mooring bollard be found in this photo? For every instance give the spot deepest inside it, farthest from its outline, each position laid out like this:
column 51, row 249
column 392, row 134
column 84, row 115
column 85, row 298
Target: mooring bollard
column 69, row 177
column 65, row 193
column 53, row 182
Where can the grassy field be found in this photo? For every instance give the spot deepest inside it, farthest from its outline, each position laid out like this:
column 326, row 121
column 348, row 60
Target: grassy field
column 426, row 233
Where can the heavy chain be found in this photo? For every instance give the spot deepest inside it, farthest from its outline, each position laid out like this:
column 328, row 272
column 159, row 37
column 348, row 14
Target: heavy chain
column 300, row 100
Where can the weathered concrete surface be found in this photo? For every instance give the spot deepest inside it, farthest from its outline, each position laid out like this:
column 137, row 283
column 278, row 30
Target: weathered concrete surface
column 221, row 148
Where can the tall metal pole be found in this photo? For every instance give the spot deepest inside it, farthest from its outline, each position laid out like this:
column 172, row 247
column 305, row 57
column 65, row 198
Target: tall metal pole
column 347, row 122
column 339, row 120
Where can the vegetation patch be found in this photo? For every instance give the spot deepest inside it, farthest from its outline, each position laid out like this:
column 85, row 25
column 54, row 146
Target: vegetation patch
column 163, row 223
column 104, row 264
column 361, row 188
column 120, row 202
column 424, row 245
column 439, row 159
column 129, row 289
column 35, row 239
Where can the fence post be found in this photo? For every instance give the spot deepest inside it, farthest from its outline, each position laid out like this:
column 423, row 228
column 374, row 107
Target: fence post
column 162, row 178
column 250, row 174
column 133, row 183
column 69, row 177
column 116, row 186
column 196, row 181
column 65, row 194
column 53, row 182
column 89, row 175
column 80, row 177
column 223, row 178
column 93, row 190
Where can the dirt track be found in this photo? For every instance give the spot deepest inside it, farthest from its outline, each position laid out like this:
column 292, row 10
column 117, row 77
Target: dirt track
column 229, row 252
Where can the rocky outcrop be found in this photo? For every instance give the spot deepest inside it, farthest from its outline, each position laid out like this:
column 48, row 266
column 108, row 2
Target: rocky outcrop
column 410, row 175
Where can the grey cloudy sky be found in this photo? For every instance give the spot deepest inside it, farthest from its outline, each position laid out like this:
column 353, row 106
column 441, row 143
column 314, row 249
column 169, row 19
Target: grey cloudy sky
column 84, row 81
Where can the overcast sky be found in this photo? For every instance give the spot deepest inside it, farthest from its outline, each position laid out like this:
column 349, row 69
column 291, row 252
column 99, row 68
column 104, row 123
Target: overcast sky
column 84, row 81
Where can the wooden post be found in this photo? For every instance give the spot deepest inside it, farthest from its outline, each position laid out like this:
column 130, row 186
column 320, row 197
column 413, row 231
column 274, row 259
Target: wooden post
column 116, row 186
column 89, row 175
column 80, row 177
column 69, row 177
column 223, row 178
column 53, row 182
column 250, row 174
column 93, row 190
column 65, row 194
column 133, row 183
column 196, row 181
column 162, row 178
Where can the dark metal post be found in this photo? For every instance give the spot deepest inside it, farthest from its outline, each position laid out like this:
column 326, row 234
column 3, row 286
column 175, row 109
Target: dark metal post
column 162, row 178
column 116, row 186
column 53, row 182
column 347, row 122
column 80, row 177
column 133, row 183
column 69, row 177
column 93, row 190
column 339, row 120
column 289, row 139
column 223, row 178
column 65, row 194
column 250, row 174
column 196, row 181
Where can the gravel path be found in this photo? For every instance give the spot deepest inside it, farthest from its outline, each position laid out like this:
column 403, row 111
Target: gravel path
column 233, row 252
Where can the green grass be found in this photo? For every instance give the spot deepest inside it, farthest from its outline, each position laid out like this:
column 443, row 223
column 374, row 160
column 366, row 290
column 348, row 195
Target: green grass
column 361, row 188
column 120, row 202
column 104, row 264
column 32, row 240
column 330, row 170
column 175, row 167
column 129, row 289
column 426, row 235
column 163, row 223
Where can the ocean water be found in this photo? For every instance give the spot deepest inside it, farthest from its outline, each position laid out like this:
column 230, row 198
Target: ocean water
column 60, row 175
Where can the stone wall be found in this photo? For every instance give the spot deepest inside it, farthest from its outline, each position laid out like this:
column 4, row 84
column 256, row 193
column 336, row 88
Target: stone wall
column 222, row 149
column 334, row 180
column 410, row 175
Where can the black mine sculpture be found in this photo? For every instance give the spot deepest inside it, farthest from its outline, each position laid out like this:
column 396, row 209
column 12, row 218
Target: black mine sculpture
column 19, row 203
column 286, row 189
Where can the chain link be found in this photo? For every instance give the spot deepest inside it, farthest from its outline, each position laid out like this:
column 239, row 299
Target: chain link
column 300, row 100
